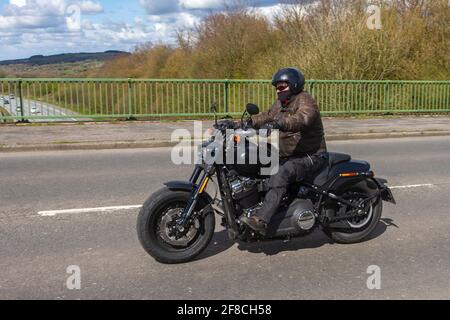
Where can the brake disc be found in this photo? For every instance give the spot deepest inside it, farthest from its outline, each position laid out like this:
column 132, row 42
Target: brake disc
column 165, row 224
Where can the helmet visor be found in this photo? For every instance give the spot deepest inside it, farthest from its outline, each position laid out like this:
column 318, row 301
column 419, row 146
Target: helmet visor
column 282, row 86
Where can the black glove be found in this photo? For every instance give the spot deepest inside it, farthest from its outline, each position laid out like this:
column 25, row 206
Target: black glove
column 244, row 124
column 247, row 124
column 272, row 125
column 226, row 124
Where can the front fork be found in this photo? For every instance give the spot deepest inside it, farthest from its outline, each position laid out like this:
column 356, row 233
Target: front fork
column 199, row 182
column 199, row 186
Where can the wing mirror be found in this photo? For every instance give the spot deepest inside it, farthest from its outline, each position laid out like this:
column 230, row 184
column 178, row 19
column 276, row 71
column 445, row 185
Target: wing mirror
column 252, row 109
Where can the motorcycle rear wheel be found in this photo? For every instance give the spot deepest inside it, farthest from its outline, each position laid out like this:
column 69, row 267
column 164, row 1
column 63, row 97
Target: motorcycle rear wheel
column 359, row 231
column 158, row 213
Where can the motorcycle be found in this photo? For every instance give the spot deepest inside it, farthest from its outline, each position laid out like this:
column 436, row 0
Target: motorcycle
column 343, row 199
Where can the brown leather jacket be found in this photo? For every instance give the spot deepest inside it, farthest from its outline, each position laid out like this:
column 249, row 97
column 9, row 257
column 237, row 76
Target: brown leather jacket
column 302, row 132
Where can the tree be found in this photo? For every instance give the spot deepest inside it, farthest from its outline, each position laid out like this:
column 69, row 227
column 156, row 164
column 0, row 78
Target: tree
column 327, row 39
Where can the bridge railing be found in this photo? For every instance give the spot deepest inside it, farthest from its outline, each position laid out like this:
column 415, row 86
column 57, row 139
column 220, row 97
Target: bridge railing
column 94, row 99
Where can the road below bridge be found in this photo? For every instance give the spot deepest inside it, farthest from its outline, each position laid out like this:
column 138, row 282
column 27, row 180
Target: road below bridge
column 33, row 108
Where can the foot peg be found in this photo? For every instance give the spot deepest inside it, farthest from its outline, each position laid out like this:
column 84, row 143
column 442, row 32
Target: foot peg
column 232, row 235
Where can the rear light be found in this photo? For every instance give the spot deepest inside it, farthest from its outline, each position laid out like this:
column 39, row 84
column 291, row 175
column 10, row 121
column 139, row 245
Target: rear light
column 357, row 174
column 350, row 174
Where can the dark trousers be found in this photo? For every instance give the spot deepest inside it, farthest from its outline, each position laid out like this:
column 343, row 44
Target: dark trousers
column 291, row 170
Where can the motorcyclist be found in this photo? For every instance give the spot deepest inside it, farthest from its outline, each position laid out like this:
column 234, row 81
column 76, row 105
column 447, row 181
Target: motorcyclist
column 302, row 145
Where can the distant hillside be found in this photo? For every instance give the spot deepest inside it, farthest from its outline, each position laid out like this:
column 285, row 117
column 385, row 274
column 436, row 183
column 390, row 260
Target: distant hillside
column 41, row 60
column 78, row 69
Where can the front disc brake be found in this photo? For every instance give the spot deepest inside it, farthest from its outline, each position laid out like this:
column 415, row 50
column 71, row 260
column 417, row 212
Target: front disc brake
column 166, row 227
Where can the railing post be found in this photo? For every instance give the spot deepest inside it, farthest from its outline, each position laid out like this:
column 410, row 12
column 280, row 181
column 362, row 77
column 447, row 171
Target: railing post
column 311, row 86
column 387, row 99
column 22, row 117
column 130, row 111
column 227, row 95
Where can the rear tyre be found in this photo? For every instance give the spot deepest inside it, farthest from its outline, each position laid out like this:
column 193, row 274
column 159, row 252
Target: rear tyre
column 359, row 229
column 153, row 227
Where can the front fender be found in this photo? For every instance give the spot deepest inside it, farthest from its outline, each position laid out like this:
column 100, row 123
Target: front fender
column 180, row 185
column 188, row 187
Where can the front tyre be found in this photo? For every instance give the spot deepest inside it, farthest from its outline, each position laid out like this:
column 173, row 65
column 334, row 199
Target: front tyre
column 155, row 219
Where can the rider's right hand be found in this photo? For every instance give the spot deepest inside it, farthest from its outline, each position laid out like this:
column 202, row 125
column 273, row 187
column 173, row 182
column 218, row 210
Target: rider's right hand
column 226, row 124
column 246, row 124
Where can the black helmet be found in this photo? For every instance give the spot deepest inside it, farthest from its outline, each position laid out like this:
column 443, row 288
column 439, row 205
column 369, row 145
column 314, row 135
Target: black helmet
column 293, row 76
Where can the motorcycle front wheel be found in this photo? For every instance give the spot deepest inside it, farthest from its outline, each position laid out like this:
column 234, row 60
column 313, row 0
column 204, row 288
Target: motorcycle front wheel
column 156, row 218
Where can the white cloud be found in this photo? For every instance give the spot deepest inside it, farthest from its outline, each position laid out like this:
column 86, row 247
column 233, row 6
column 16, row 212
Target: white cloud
column 46, row 16
column 27, row 22
column 180, row 20
column 165, row 27
column 18, row 3
column 42, row 26
column 42, row 10
column 186, row 20
column 35, row 8
column 201, row 4
column 271, row 11
column 155, row 7
column 90, row 7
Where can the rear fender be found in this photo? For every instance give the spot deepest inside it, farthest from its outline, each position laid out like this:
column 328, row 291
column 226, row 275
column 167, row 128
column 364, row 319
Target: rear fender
column 386, row 193
column 337, row 183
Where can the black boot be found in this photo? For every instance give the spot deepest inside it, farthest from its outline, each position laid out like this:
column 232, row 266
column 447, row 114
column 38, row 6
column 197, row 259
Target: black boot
column 256, row 223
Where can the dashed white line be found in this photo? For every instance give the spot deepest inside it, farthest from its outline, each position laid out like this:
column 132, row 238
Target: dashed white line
column 52, row 213
column 413, row 186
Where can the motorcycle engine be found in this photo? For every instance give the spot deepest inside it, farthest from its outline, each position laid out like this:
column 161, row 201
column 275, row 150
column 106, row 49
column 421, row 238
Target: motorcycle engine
column 246, row 193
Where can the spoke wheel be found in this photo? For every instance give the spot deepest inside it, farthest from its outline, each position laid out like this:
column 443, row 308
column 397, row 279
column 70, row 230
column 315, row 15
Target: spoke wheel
column 361, row 226
column 158, row 232
column 365, row 214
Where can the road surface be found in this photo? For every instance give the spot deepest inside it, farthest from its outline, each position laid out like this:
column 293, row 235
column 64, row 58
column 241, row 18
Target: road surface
column 411, row 246
column 42, row 109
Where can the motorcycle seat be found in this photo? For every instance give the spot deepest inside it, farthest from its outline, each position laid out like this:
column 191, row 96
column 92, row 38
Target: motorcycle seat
column 321, row 176
column 335, row 158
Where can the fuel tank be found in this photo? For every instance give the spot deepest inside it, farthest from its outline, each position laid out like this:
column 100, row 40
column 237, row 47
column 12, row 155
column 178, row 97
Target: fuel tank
column 246, row 165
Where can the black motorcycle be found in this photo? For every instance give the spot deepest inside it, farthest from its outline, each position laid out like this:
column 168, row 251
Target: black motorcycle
column 177, row 223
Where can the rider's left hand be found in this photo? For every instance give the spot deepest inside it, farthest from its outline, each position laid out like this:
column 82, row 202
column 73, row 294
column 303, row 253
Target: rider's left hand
column 271, row 125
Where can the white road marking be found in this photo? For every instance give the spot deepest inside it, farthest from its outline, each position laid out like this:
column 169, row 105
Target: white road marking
column 413, row 186
column 53, row 213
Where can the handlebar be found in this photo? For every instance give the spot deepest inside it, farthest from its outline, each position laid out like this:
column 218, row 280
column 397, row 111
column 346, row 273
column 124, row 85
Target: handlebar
column 248, row 131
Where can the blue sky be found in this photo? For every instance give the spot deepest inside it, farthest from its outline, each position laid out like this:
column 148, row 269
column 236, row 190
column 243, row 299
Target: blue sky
column 30, row 27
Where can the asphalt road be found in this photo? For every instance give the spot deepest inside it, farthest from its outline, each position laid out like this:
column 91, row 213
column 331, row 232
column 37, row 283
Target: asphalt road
column 411, row 246
column 42, row 109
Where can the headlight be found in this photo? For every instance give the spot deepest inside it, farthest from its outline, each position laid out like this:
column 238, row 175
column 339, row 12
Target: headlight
column 208, row 153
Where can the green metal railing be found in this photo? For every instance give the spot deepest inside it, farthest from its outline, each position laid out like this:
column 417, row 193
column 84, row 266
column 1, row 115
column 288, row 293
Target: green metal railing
column 92, row 99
